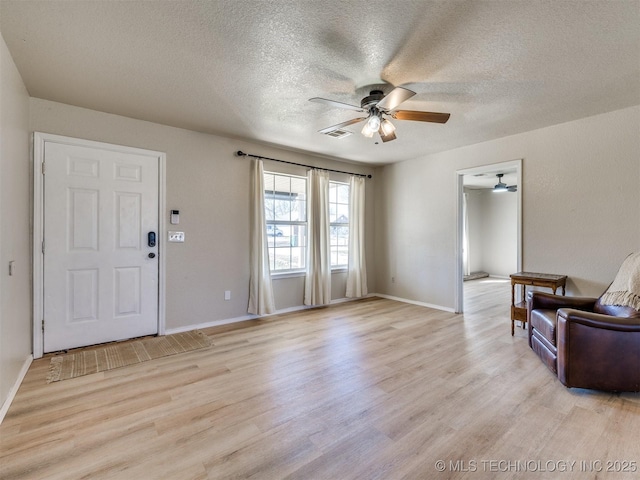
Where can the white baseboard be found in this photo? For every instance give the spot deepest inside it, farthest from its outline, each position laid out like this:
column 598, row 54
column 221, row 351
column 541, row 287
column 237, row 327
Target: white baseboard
column 415, row 302
column 214, row 323
column 16, row 386
column 227, row 321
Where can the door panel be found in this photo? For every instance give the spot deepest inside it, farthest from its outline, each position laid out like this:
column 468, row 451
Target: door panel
column 99, row 283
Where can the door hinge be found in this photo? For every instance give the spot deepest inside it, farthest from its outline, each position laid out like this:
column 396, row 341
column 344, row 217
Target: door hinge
column 43, row 247
column 42, row 168
column 43, row 324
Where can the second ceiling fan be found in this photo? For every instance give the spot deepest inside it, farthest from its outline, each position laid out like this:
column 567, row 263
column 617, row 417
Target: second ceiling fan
column 377, row 105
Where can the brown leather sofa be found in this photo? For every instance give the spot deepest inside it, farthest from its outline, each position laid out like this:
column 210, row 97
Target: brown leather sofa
column 587, row 344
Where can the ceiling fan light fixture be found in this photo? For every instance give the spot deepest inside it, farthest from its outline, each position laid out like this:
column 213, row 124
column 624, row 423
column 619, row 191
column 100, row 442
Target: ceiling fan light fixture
column 377, row 104
column 374, row 122
column 387, row 127
column 366, row 130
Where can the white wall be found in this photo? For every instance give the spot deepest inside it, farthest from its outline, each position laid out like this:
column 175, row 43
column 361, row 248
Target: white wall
column 493, row 232
column 580, row 199
column 15, row 240
column 475, row 215
column 210, row 187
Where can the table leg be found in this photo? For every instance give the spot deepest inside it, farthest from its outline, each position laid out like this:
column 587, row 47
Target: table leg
column 524, row 299
column 513, row 306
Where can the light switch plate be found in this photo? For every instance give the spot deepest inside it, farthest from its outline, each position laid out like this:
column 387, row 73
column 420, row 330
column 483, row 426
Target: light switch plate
column 176, row 236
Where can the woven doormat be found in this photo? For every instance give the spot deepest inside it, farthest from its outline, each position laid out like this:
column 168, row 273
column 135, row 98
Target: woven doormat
column 85, row 362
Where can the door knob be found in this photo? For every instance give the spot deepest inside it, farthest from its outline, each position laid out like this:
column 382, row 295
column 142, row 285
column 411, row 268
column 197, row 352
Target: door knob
column 152, row 255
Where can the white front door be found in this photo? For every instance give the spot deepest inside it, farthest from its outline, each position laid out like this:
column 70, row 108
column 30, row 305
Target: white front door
column 100, row 267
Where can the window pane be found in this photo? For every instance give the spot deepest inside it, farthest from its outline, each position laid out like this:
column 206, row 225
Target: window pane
column 342, row 236
column 333, row 195
column 269, row 206
column 299, row 187
column 282, row 208
column 271, row 259
column 298, row 236
column 343, row 256
column 339, row 219
column 282, row 184
column 333, row 209
column 342, row 214
column 333, row 235
column 285, row 206
column 298, row 210
column 268, row 182
column 298, row 257
column 343, row 193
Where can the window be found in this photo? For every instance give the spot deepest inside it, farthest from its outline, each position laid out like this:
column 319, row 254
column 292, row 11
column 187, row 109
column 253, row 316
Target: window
column 339, row 224
column 286, row 214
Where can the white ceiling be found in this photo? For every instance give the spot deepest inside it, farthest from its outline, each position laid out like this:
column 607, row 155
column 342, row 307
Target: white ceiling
column 246, row 68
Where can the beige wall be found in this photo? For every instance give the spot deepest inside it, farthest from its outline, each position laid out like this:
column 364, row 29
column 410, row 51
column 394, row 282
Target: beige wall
column 210, row 187
column 493, row 232
column 580, row 203
column 15, row 240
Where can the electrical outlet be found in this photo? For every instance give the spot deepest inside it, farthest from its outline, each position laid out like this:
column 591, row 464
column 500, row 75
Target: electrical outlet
column 227, row 294
column 176, row 236
column 393, row 279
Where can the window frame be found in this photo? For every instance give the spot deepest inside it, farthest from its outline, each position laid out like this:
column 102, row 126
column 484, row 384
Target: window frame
column 291, row 272
column 345, row 266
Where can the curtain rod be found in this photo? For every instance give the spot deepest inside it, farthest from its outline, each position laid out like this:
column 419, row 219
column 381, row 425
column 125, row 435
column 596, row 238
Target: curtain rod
column 240, row 153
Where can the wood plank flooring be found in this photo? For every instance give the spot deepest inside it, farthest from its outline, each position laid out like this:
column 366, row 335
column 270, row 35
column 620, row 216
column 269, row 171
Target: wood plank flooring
column 370, row 389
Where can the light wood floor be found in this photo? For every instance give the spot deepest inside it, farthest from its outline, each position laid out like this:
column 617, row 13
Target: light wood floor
column 372, row 389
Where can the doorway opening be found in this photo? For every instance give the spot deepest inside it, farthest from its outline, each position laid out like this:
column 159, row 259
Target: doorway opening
column 489, row 224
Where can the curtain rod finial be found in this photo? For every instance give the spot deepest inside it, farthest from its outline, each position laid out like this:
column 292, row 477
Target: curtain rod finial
column 240, row 153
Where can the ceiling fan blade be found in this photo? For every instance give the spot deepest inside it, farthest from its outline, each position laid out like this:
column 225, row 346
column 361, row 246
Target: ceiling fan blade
column 387, row 138
column 333, row 103
column 421, row 116
column 343, row 124
column 394, row 98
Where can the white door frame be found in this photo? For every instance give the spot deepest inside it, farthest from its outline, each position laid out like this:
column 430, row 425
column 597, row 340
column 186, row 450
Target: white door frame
column 459, row 275
column 39, row 141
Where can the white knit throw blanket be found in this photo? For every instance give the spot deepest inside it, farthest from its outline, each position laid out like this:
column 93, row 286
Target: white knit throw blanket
column 625, row 289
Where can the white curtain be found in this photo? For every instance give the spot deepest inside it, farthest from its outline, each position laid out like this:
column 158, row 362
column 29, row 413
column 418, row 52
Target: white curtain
column 465, row 236
column 357, row 273
column 260, row 289
column 317, row 288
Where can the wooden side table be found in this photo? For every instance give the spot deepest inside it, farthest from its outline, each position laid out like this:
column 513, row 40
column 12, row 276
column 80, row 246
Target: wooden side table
column 519, row 311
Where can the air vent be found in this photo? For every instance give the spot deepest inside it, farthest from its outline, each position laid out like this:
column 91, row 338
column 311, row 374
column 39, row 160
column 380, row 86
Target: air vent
column 339, row 133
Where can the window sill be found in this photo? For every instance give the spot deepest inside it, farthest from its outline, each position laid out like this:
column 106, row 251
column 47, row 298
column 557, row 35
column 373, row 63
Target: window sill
column 278, row 276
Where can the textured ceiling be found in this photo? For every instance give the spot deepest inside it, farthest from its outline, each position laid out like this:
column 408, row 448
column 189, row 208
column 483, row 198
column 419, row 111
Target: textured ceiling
column 246, row 68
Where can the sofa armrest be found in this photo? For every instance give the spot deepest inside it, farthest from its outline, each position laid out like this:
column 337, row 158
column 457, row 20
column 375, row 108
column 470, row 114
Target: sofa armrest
column 599, row 320
column 598, row 351
column 550, row 301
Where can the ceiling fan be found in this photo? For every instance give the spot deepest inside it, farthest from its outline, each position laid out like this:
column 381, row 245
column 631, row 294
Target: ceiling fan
column 503, row 187
column 377, row 105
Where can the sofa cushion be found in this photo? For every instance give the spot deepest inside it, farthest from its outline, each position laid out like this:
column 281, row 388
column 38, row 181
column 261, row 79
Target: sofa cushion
column 544, row 321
